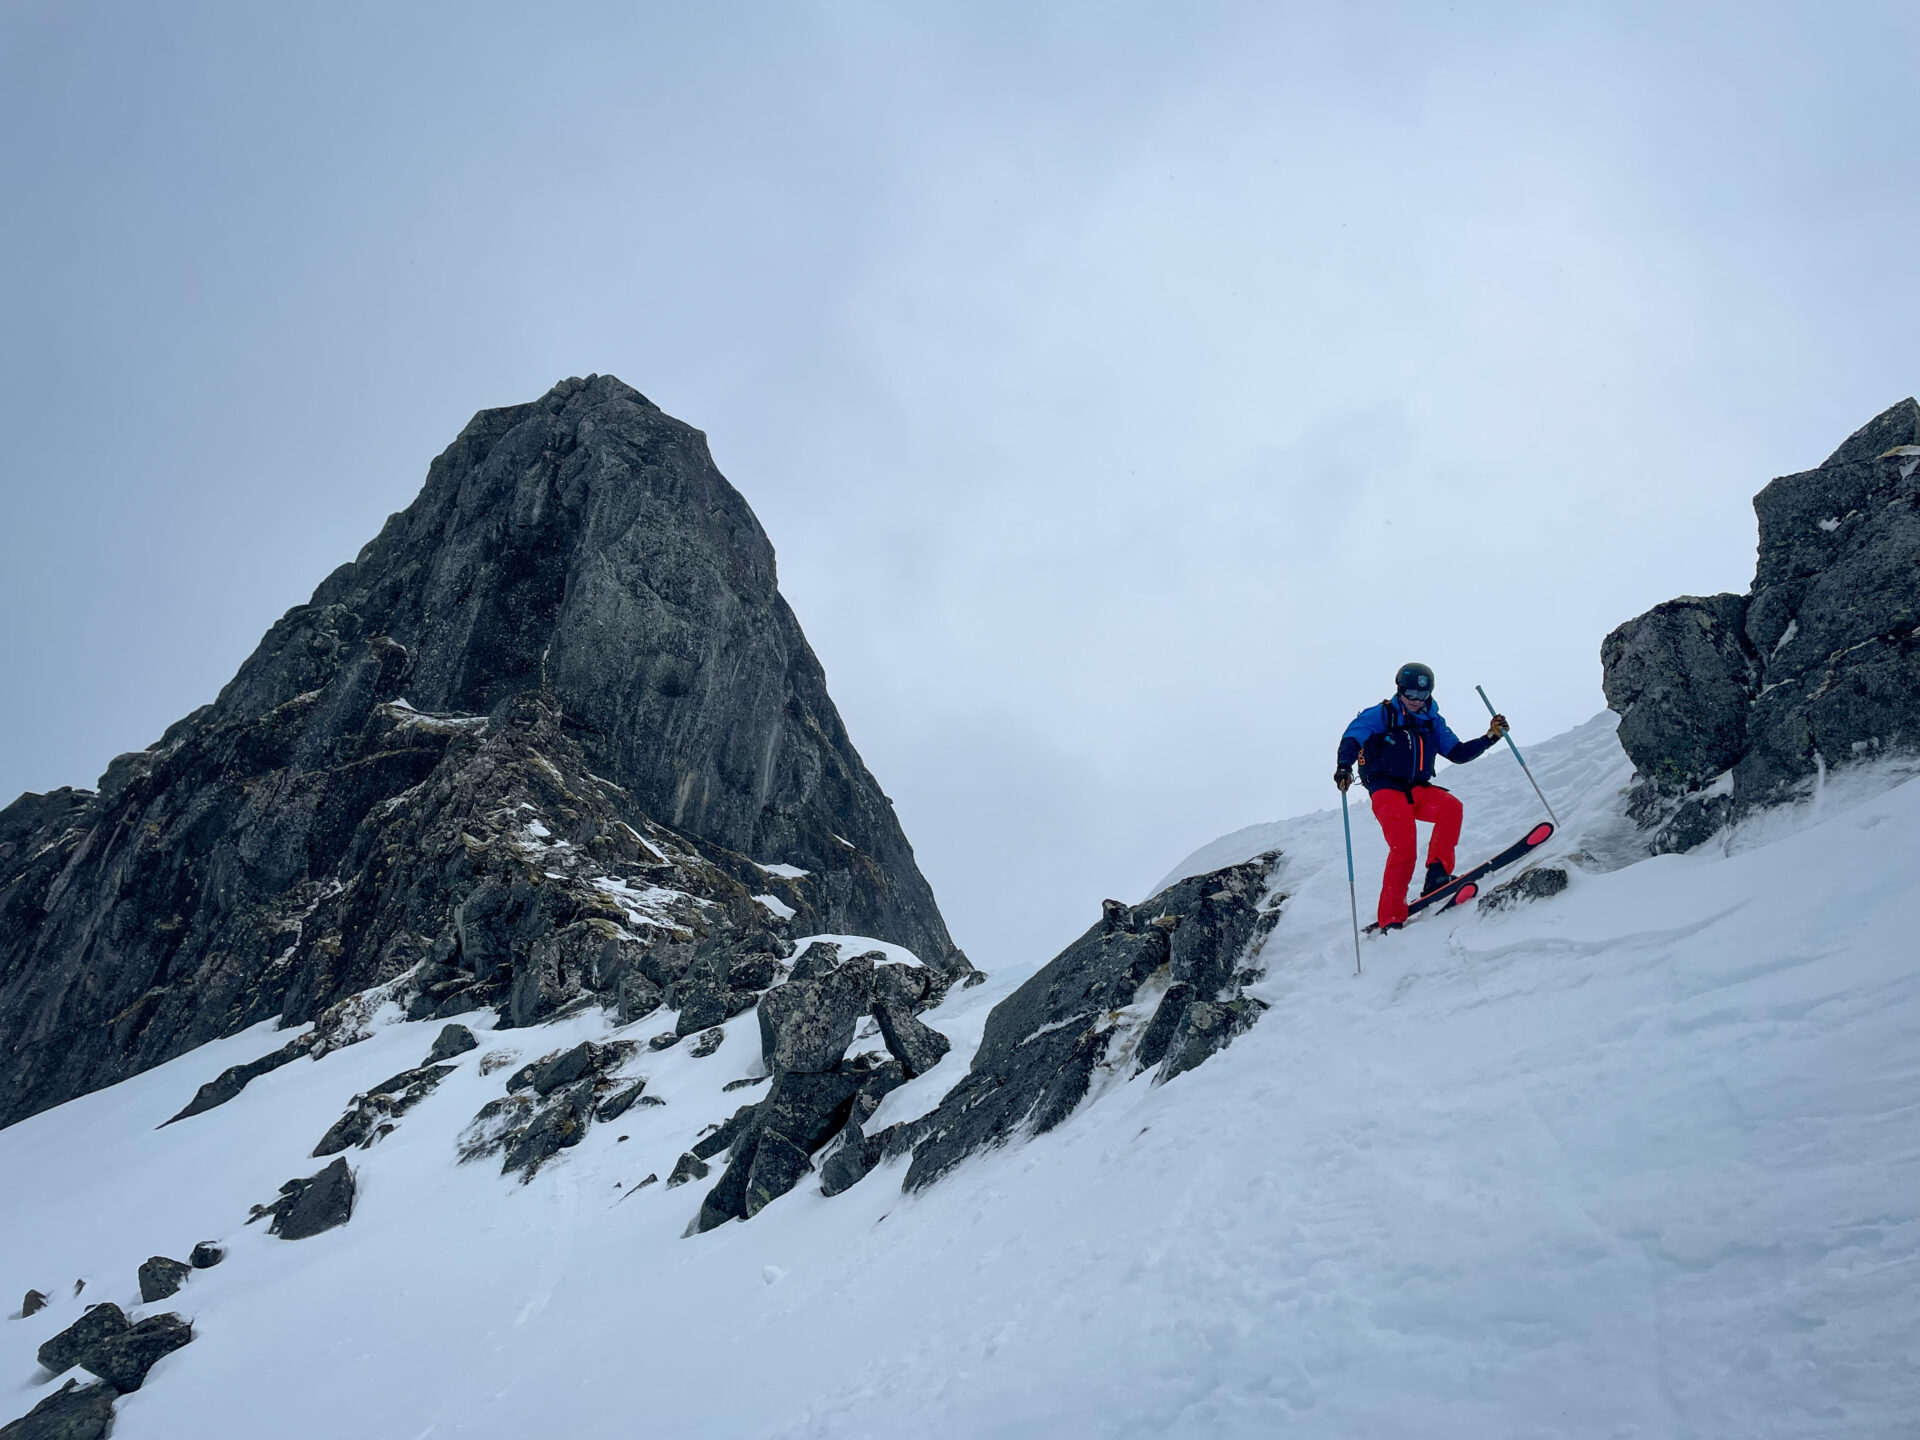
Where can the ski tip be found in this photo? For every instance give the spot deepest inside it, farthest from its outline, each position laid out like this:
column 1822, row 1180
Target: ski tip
column 1464, row 893
column 1539, row 833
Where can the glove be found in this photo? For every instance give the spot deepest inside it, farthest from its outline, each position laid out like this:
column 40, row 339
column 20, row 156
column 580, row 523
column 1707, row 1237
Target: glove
column 1342, row 778
column 1498, row 728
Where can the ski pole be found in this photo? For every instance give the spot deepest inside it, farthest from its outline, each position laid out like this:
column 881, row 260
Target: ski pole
column 1523, row 761
column 1353, row 900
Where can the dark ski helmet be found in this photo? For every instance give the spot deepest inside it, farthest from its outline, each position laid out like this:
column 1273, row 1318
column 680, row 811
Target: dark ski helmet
column 1415, row 681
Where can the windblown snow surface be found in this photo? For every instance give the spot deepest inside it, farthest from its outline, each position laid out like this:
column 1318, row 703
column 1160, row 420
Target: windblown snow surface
column 1636, row 1161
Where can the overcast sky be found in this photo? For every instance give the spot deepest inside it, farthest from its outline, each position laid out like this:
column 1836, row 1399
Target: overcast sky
column 1128, row 389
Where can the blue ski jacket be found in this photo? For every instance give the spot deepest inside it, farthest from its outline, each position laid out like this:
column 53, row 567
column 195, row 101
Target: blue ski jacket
column 1396, row 749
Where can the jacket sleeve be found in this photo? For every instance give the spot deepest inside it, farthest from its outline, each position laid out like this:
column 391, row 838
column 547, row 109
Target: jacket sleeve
column 1456, row 750
column 1365, row 726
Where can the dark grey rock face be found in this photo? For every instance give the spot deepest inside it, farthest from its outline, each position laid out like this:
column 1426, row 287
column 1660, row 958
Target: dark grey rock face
column 66, row 1349
column 206, row 1255
column 311, row 1206
column 567, row 657
column 1045, row 1042
column 73, row 1412
column 1206, row 1028
column 123, row 1359
column 33, row 1304
column 1731, row 703
column 161, row 1277
column 1681, row 678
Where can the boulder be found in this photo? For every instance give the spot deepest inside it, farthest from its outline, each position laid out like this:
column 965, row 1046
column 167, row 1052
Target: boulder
column 1539, row 883
column 565, row 1068
column 752, row 972
column 917, row 1046
column 807, row 1109
column 822, row 957
column 1681, row 679
column 621, row 1101
column 688, row 1167
column 874, row 1077
column 65, row 1350
column 453, row 1040
column 904, row 986
column 34, row 1303
column 806, row 1025
column 73, row 1412
column 161, row 1277
column 206, row 1255
column 124, row 1358
column 312, row 1206
column 706, row 1001
column 709, row 1041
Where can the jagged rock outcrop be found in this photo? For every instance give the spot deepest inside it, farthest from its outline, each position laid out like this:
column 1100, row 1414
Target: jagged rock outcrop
column 1152, row 984
column 372, row 1115
column 1732, row 702
column 550, row 1103
column 817, row 1090
column 549, row 735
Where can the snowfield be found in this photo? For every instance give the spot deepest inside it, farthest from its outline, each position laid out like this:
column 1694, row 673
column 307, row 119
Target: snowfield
column 1640, row 1160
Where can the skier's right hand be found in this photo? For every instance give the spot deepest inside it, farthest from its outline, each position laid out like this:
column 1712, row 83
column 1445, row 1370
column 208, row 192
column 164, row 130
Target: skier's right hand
column 1342, row 778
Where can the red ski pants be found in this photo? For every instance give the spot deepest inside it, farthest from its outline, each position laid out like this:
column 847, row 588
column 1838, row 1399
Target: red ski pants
column 1397, row 811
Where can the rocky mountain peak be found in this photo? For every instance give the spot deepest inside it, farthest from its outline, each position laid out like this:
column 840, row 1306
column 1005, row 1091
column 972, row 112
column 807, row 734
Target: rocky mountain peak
column 560, row 690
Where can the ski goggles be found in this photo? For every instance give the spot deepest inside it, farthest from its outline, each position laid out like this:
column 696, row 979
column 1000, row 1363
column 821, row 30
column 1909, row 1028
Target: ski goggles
column 1422, row 693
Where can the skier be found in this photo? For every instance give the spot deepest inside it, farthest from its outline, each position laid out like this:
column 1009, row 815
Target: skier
column 1395, row 744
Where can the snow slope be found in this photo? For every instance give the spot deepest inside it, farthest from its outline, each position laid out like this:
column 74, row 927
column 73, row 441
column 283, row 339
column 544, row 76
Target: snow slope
column 1638, row 1161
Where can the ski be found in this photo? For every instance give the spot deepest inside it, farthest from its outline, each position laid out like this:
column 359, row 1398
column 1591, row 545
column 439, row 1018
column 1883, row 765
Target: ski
column 1464, row 886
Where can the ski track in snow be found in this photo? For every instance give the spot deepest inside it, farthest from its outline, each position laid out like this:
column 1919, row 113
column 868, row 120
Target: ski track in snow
column 1637, row 1161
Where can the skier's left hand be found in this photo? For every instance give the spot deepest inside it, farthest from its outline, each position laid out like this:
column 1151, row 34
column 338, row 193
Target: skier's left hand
column 1498, row 728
